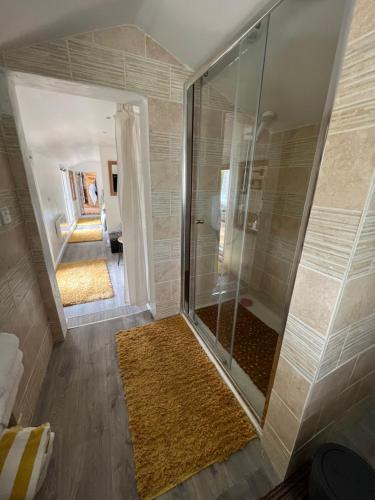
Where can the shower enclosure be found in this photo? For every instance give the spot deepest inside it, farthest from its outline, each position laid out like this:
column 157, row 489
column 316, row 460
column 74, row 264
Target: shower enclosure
column 255, row 125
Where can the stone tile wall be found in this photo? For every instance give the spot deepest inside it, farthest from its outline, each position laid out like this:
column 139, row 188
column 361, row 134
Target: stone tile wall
column 22, row 309
column 327, row 361
column 125, row 57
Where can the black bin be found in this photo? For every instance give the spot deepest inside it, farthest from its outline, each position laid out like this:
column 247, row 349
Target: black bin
column 116, row 247
column 340, row 474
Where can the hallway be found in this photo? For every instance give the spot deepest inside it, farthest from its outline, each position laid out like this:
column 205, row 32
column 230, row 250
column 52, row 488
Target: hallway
column 98, row 310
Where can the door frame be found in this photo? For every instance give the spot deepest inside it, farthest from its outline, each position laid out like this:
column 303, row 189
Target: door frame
column 17, row 78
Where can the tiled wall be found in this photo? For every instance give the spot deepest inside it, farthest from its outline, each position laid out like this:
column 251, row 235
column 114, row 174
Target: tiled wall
column 287, row 164
column 126, row 58
column 327, row 360
column 22, row 309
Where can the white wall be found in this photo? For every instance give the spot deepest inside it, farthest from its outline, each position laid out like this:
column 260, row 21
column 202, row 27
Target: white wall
column 111, row 202
column 49, row 184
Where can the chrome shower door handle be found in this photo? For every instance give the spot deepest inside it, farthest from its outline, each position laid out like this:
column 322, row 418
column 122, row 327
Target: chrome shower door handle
column 199, row 221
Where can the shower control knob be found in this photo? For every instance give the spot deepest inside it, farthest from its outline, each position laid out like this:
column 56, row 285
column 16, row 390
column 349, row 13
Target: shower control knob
column 199, row 221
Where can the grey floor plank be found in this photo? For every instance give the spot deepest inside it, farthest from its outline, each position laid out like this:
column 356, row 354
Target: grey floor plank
column 82, row 397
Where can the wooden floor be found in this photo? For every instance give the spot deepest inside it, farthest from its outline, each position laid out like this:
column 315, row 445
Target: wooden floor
column 98, row 310
column 82, row 398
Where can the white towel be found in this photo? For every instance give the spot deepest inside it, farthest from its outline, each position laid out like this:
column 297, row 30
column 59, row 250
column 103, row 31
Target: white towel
column 8, row 352
column 8, row 398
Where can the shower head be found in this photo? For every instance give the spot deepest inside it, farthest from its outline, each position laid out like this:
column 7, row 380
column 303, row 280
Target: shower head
column 268, row 117
column 265, row 120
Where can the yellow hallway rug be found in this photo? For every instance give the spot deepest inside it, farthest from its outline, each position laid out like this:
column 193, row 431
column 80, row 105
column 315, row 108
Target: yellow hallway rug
column 88, row 221
column 83, row 281
column 182, row 416
column 84, row 235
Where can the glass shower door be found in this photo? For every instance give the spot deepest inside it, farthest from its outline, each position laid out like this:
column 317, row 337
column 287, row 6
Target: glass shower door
column 225, row 109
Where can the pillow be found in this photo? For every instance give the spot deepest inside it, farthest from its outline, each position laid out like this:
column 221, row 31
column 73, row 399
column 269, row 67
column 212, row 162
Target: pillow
column 22, row 459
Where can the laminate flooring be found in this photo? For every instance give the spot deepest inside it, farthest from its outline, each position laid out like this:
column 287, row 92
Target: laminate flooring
column 82, row 398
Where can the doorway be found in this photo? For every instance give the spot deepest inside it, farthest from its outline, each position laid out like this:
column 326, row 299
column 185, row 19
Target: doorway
column 69, row 142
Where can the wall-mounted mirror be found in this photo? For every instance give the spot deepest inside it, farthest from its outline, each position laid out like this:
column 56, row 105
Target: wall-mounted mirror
column 113, row 174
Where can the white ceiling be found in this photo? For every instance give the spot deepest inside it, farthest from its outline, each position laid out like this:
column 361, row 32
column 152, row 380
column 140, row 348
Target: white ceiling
column 301, row 45
column 193, row 30
column 69, row 128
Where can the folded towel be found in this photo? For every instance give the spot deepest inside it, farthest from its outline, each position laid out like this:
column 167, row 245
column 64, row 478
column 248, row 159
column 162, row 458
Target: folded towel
column 22, row 459
column 7, row 399
column 8, row 352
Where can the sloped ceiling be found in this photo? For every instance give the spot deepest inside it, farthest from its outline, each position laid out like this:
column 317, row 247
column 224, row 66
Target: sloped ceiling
column 192, row 30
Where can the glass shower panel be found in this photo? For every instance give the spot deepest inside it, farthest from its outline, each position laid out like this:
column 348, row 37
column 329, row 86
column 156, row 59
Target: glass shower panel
column 294, row 88
column 242, row 125
column 226, row 101
column 210, row 166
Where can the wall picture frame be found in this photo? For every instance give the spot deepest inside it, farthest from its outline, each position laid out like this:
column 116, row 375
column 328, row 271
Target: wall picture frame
column 113, row 177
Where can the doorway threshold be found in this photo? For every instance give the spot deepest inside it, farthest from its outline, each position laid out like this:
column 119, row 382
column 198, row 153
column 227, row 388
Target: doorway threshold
column 97, row 317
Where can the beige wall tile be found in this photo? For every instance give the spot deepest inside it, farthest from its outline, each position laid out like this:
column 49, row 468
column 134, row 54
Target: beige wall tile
column 210, row 124
column 365, row 364
column 175, row 288
column 17, row 170
column 164, row 310
column 6, row 178
column 302, row 347
column 291, row 386
column 282, row 420
column 127, row 38
column 314, row 298
column 363, row 19
column 47, row 58
column 166, row 227
column 165, row 176
column 367, row 386
column 13, row 248
column 357, row 302
column 334, row 407
column 165, row 116
column 156, row 51
column 307, row 429
column 293, row 180
column 346, row 171
column 163, row 292
column 96, row 64
column 84, row 37
column 167, row 270
column 276, row 451
column 328, row 387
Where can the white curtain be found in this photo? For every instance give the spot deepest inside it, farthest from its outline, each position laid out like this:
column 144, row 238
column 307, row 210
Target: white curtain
column 134, row 195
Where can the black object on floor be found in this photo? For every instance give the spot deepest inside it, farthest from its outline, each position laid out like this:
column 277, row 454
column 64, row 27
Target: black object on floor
column 116, row 247
column 338, row 473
